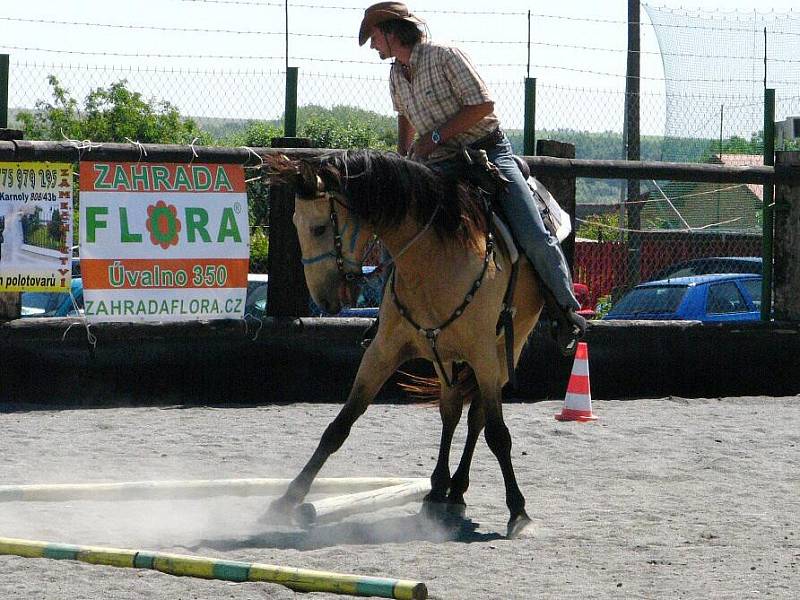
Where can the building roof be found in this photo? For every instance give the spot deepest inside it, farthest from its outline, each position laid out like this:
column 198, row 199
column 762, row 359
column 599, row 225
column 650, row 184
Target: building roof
column 746, row 160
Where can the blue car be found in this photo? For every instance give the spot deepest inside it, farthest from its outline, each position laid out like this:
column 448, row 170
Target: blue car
column 707, row 298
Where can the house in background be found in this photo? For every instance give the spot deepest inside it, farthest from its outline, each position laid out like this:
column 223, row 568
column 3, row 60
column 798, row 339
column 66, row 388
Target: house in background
column 706, row 206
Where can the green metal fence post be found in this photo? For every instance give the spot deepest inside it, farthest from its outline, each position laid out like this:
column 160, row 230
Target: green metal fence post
column 529, row 132
column 290, row 110
column 768, row 214
column 3, row 91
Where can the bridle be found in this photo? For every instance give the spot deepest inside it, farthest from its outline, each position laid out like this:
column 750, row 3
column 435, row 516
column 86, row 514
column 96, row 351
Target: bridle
column 337, row 253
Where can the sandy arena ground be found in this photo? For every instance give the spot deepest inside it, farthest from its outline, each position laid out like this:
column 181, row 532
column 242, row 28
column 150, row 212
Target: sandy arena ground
column 662, row 498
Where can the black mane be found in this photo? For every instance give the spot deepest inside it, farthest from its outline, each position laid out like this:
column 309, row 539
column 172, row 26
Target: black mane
column 383, row 188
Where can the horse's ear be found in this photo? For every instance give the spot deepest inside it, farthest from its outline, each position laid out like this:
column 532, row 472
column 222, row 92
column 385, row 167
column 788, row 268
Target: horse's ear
column 308, row 185
column 331, row 178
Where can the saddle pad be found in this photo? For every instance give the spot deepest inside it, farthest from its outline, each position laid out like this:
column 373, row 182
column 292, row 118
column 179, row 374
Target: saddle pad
column 508, row 240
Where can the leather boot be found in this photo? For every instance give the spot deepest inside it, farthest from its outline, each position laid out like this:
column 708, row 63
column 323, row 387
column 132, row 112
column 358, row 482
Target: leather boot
column 568, row 327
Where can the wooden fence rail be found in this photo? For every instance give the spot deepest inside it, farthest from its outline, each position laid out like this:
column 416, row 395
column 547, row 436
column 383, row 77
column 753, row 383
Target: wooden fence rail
column 25, row 150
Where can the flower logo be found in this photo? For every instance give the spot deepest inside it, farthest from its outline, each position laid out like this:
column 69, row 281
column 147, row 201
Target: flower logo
column 163, row 224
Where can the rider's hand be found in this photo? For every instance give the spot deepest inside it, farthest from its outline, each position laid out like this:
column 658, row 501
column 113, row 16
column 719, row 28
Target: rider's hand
column 422, row 147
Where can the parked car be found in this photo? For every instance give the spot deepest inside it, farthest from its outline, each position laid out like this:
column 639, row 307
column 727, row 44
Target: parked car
column 255, row 303
column 709, row 265
column 707, row 298
column 53, row 304
column 367, row 304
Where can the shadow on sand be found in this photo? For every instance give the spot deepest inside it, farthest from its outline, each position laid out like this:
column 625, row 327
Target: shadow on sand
column 389, row 530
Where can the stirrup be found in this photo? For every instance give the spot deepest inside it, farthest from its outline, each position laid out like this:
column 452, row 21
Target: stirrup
column 567, row 331
column 369, row 334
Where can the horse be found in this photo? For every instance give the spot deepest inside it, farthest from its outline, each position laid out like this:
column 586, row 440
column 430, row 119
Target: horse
column 441, row 302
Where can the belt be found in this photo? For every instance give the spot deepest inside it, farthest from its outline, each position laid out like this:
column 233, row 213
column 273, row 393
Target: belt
column 488, row 141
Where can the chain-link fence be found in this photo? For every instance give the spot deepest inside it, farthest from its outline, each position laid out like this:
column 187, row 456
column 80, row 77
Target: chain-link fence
column 707, row 111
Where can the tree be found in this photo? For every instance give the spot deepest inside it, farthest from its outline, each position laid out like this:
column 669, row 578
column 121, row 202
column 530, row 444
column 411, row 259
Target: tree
column 347, row 127
column 112, row 114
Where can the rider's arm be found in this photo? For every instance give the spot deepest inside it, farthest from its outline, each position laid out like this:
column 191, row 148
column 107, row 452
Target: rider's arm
column 405, row 135
column 459, row 123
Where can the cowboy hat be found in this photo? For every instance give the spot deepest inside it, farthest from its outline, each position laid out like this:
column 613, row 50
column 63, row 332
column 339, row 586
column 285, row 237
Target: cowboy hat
column 381, row 12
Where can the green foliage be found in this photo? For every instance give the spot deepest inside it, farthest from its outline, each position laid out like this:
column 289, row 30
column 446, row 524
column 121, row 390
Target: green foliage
column 112, row 114
column 790, row 145
column 599, row 227
column 259, row 250
column 603, row 306
column 256, row 134
column 347, row 127
column 737, row 145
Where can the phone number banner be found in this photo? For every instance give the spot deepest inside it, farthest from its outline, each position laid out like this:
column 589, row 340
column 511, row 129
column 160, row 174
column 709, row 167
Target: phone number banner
column 163, row 242
column 35, row 226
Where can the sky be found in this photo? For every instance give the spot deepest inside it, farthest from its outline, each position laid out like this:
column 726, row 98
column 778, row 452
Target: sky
column 575, row 44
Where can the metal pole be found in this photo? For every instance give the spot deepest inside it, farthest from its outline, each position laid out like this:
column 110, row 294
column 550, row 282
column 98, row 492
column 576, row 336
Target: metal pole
column 529, row 132
column 768, row 210
column 286, row 32
column 528, row 72
column 4, row 91
column 290, row 114
column 632, row 87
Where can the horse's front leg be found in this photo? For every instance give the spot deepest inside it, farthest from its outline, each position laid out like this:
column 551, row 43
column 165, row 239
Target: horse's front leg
column 376, row 367
column 450, row 405
column 460, row 481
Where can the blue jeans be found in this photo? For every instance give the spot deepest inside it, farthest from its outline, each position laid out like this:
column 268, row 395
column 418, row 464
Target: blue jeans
column 541, row 248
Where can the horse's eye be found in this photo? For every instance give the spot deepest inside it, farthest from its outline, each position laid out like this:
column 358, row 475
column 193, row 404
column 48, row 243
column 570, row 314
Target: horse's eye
column 318, row 230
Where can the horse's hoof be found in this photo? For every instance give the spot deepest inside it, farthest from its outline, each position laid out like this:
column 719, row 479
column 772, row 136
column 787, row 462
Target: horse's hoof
column 433, row 510
column 279, row 512
column 517, row 524
column 456, row 509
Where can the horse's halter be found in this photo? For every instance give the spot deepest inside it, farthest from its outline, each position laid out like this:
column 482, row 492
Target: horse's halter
column 337, row 253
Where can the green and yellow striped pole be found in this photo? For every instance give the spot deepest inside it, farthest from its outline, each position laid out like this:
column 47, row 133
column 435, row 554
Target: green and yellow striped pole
column 303, row 580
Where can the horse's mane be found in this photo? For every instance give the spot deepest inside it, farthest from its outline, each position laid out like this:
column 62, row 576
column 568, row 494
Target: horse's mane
column 383, row 188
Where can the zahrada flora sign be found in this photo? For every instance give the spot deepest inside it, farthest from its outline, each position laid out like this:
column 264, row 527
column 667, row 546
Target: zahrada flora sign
column 163, row 242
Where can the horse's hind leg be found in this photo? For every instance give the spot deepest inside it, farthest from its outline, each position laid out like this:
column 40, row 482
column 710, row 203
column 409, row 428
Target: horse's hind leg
column 499, row 440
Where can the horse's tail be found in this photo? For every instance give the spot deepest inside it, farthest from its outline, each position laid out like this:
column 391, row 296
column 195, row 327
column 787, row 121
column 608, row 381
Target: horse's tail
column 422, row 388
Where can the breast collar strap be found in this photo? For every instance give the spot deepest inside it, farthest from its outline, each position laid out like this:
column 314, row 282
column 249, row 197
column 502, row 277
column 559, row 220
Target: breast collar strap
column 432, row 333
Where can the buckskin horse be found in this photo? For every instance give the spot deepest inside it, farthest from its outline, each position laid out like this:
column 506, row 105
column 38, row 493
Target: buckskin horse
column 442, row 300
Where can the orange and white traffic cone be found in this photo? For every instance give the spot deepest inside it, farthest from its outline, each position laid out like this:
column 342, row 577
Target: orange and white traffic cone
column 578, row 401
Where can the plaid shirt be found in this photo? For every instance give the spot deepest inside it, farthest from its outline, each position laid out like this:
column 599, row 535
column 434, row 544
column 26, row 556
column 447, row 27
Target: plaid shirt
column 443, row 81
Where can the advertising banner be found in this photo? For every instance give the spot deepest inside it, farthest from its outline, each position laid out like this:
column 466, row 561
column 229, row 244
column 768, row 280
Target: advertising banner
column 35, row 226
column 163, row 242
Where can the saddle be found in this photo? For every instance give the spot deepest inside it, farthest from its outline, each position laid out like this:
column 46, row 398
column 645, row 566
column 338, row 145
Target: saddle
column 485, row 175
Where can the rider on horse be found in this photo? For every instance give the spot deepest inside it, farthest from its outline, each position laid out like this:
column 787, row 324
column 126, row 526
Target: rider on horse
column 440, row 97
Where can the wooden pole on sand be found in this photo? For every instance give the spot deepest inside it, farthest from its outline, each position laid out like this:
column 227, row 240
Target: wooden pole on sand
column 328, row 510
column 137, row 490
